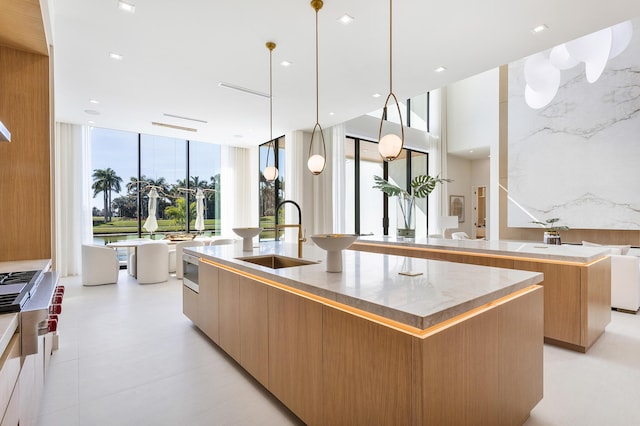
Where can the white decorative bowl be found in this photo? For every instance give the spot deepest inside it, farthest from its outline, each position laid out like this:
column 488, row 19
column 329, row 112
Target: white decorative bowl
column 247, row 235
column 334, row 244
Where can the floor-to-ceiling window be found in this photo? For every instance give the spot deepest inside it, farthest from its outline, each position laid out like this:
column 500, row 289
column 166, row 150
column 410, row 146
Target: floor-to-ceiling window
column 126, row 166
column 204, row 173
column 271, row 192
column 368, row 211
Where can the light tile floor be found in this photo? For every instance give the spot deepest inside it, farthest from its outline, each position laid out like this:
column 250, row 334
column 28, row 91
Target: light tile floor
column 128, row 356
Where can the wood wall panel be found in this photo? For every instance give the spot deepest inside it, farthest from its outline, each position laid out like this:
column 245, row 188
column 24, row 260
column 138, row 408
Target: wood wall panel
column 254, row 329
column 22, row 26
column 295, row 354
column 25, row 183
column 366, row 371
column 229, row 312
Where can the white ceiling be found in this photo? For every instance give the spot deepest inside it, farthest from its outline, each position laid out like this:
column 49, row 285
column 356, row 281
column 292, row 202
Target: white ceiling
column 176, row 53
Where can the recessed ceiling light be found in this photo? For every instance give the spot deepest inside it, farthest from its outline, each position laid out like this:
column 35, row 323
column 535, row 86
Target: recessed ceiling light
column 94, row 101
column 332, row 113
column 440, row 69
column 376, row 95
column 286, row 63
column 116, row 56
column 127, row 7
column 237, row 136
column 345, row 19
column 539, row 28
column 91, row 122
column 91, row 112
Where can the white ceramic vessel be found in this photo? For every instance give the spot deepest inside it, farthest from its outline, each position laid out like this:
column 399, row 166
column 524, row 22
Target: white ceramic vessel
column 247, row 235
column 334, row 244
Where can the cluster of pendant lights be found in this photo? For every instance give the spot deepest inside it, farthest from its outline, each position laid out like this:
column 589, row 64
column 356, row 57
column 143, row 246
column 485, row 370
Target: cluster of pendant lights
column 389, row 146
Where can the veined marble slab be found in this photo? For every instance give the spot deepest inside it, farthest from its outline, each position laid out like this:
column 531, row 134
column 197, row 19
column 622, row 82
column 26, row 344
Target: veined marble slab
column 577, row 158
column 371, row 282
column 564, row 253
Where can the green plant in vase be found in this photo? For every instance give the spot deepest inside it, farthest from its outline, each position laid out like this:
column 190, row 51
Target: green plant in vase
column 421, row 187
column 552, row 230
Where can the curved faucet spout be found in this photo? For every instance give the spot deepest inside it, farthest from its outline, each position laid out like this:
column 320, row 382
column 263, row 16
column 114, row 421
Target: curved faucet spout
column 301, row 238
column 295, row 204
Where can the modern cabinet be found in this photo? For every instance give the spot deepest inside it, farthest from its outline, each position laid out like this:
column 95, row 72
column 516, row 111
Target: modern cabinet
column 295, row 353
column 331, row 364
column 229, row 312
column 208, row 301
column 254, row 329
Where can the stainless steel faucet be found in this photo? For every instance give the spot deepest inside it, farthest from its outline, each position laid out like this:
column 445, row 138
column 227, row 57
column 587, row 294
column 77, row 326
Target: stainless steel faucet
column 301, row 239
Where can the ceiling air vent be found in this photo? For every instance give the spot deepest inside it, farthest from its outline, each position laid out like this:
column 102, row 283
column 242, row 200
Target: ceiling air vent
column 5, row 135
column 171, row 126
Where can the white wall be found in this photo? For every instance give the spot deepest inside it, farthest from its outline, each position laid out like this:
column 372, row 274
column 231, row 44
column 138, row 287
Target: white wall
column 472, row 112
column 459, row 169
column 472, row 123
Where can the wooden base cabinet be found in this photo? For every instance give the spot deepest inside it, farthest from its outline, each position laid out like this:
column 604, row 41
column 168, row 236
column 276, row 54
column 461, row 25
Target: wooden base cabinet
column 295, row 354
column 332, row 365
column 577, row 297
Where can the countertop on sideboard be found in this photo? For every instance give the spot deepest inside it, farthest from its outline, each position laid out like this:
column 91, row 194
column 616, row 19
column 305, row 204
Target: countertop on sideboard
column 371, row 282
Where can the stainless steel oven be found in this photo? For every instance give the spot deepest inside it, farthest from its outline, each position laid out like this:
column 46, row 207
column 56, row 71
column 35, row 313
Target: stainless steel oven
column 190, row 265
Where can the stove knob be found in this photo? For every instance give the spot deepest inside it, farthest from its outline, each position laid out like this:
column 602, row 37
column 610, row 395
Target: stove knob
column 53, row 323
column 55, row 309
column 57, row 299
column 60, row 289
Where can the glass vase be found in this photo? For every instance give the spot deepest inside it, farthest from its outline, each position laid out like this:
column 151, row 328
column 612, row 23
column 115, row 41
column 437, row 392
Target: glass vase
column 406, row 216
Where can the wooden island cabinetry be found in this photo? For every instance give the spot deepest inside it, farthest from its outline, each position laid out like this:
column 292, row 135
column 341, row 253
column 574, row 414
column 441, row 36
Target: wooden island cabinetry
column 577, row 287
column 331, row 363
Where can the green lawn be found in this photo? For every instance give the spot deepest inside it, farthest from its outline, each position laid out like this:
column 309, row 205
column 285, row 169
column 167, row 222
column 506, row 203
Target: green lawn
column 125, row 226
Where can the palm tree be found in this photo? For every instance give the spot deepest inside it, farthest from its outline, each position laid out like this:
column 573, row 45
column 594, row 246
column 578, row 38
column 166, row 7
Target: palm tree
column 105, row 181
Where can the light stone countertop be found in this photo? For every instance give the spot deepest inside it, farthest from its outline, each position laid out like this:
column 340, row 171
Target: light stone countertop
column 527, row 249
column 371, row 282
column 9, row 322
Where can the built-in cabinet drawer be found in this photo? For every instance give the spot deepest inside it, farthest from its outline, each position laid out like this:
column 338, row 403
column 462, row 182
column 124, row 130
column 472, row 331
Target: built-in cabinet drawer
column 9, row 373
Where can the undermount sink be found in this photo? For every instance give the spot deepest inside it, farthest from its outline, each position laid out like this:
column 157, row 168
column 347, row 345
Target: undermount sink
column 275, row 261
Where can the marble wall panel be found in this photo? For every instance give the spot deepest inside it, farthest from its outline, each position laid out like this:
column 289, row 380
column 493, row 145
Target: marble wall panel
column 578, row 158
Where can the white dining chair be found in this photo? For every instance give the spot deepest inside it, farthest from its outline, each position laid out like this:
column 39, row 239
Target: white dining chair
column 99, row 265
column 152, row 263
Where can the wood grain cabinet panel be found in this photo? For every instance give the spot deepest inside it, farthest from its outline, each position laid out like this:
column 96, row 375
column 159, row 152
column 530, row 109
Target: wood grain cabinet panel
column 366, row 371
column 229, row 312
column 190, row 304
column 483, row 370
column 207, row 301
column 295, row 354
column 562, row 300
column 254, row 329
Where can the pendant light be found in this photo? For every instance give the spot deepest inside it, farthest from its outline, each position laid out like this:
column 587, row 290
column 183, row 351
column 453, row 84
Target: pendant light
column 317, row 162
column 270, row 172
column 390, row 145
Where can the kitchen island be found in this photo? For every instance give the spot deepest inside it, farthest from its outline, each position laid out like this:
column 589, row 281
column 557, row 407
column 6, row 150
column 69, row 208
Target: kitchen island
column 455, row 344
column 577, row 279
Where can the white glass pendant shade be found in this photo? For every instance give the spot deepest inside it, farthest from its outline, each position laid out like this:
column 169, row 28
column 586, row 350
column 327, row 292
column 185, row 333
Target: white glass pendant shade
column 593, row 50
column 561, row 59
column 537, row 100
column 540, row 74
column 270, row 173
column 621, row 37
column 316, row 164
column 390, row 146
